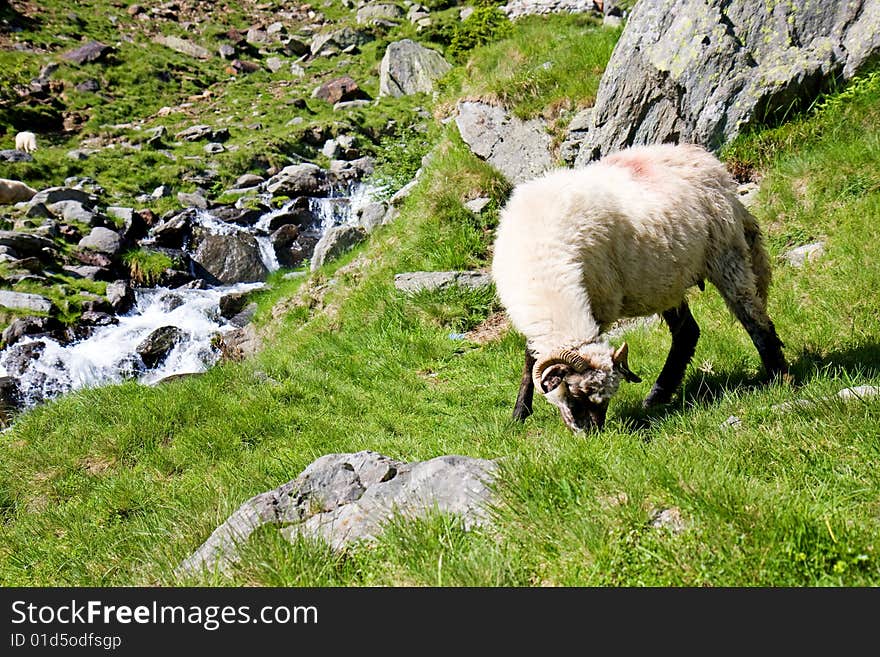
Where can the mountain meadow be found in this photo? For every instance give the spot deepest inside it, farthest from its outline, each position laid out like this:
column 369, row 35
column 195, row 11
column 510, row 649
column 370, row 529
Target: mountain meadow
column 737, row 483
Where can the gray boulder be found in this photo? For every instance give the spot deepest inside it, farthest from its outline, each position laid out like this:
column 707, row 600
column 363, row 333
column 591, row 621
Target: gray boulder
column 409, row 67
column 227, row 259
column 120, row 295
column 183, row 46
column 25, row 301
column 331, row 43
column 299, row 180
column 26, row 244
column 705, row 70
column 92, row 51
column 518, row 149
column 52, row 195
column 344, row 499
column 14, row 155
column 102, row 240
column 335, row 242
column 379, row 12
column 419, row 281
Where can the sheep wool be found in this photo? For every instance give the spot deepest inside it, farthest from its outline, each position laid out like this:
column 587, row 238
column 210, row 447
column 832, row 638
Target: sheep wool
column 627, row 236
column 26, row 141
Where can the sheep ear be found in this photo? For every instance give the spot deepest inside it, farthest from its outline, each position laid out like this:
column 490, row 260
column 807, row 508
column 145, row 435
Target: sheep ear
column 619, row 357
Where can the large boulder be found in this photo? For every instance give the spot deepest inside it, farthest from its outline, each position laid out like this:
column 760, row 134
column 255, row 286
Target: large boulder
column 299, row 180
column 348, row 498
column 338, row 90
column 332, row 43
column 102, row 240
column 26, row 244
column 14, row 191
column 228, row 259
column 703, row 71
column 93, row 51
column 25, row 301
column 336, row 241
column 409, row 68
column 518, row 149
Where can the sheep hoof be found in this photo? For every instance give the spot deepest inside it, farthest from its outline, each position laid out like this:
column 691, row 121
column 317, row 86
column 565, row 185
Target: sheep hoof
column 657, row 397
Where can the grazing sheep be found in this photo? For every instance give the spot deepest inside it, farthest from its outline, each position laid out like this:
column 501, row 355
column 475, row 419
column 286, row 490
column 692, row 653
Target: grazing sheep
column 13, row 191
column 578, row 249
column 26, row 141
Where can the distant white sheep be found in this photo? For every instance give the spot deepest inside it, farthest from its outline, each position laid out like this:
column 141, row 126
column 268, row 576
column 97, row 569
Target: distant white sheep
column 627, row 236
column 26, row 141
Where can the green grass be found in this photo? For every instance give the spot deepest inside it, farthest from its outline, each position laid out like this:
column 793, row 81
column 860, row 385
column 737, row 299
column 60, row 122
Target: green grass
column 548, row 65
column 115, row 486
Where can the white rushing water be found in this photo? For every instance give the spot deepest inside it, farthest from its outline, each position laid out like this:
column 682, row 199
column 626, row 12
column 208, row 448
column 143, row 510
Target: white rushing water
column 109, row 354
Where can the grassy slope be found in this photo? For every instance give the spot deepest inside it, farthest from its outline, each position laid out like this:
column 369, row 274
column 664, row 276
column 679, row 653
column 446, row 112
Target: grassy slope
column 117, row 485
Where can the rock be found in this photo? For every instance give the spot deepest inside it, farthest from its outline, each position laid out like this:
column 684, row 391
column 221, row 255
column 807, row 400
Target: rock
column 274, row 64
column 372, row 215
column 233, row 303
column 155, row 348
column 10, row 394
column 192, row 199
column 227, row 259
column 183, row 46
column 73, row 211
column 199, row 132
column 15, row 191
column 350, row 104
column 257, row 37
column 120, row 296
column 171, row 232
column 248, row 180
column 239, row 343
column 52, row 195
column 29, row 326
column 212, row 148
column 336, row 241
column 346, row 498
column 409, row 68
column 244, row 316
column 518, row 149
column 95, row 318
column 704, row 71
column 26, row 244
column 20, row 357
column 226, row 51
column 670, row 519
column 25, row 301
column 748, row 193
column 339, row 89
column 732, row 422
column 801, row 255
column 477, row 205
column 92, row 51
column 299, row 180
column 332, row 43
column 419, row 281
column 89, row 272
column 14, row 155
column 378, row 11
column 102, row 240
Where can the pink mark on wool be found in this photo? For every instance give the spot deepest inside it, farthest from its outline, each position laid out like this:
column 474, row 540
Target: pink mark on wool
column 639, row 164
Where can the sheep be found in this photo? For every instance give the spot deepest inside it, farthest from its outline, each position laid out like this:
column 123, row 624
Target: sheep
column 26, row 141
column 626, row 236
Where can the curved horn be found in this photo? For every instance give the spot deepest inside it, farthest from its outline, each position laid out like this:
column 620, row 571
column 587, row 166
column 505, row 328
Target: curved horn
column 564, row 356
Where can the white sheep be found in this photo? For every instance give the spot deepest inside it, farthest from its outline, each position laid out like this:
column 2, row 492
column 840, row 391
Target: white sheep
column 627, row 236
column 26, row 141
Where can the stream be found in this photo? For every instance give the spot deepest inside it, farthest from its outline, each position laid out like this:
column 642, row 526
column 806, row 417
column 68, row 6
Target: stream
column 109, row 355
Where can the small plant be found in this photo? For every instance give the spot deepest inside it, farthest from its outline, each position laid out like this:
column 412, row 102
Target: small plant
column 486, row 24
column 145, row 267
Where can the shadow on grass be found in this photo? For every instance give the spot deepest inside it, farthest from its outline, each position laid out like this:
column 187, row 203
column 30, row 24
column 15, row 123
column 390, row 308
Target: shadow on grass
column 857, row 362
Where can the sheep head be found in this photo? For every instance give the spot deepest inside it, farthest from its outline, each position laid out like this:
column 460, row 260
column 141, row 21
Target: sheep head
column 581, row 383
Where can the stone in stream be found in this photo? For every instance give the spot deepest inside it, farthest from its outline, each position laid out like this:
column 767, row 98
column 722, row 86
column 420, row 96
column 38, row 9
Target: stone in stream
column 155, row 348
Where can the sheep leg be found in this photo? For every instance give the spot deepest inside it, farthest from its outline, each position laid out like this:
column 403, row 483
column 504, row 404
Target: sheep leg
column 763, row 334
column 743, row 298
column 685, row 334
column 523, row 407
